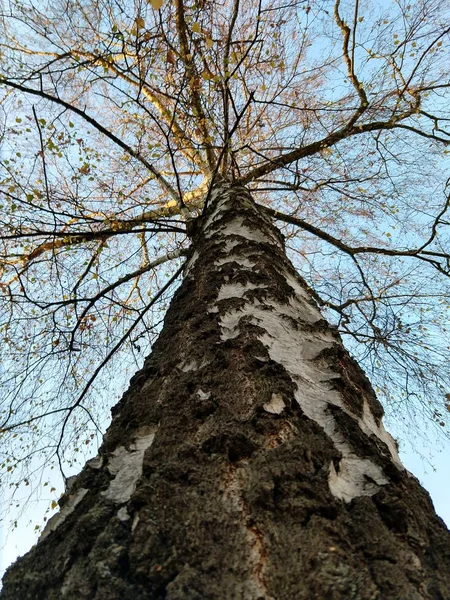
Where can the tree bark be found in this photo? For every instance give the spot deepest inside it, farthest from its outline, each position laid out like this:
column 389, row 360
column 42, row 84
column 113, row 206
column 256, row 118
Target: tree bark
column 247, row 460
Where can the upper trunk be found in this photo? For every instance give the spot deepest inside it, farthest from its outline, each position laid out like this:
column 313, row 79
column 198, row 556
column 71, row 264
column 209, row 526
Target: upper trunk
column 247, row 460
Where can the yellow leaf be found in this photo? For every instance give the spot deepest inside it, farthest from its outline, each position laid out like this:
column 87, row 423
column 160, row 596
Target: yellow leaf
column 54, row 504
column 156, row 4
column 209, row 43
column 140, row 23
column 196, row 28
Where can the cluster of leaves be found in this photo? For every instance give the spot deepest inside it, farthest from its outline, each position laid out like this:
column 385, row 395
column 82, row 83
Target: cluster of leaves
column 117, row 118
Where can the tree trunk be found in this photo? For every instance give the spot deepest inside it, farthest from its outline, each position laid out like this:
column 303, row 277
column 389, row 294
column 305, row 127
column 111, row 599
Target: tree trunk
column 247, row 460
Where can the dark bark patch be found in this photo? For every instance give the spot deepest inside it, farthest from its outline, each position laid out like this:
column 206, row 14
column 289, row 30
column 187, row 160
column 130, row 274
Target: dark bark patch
column 235, row 446
column 202, row 409
column 353, row 385
column 362, row 444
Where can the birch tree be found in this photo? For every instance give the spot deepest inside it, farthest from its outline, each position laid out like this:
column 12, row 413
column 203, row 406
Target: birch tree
column 152, row 143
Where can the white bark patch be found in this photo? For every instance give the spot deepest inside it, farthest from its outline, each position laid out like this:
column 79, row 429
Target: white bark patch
column 236, row 290
column 221, row 205
column 219, row 209
column 231, row 244
column 357, row 477
column 225, row 195
column 414, row 561
column 203, row 395
column 192, row 365
column 299, row 290
column 189, row 366
column 229, row 323
column 369, row 426
column 296, row 350
column 237, row 228
column 275, row 316
column 126, row 466
column 190, row 263
column 241, row 261
column 275, row 406
column 135, row 522
column 65, row 511
column 122, row 514
column 96, row 462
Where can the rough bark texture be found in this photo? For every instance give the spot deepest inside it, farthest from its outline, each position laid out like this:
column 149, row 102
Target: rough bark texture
column 247, row 460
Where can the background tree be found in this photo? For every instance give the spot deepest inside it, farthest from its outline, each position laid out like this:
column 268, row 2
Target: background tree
column 117, row 118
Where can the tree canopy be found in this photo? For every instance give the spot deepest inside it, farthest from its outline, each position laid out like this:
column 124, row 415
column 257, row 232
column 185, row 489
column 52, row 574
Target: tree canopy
column 117, row 118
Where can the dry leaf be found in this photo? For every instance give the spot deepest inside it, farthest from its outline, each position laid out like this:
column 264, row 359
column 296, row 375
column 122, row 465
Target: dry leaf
column 171, row 57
